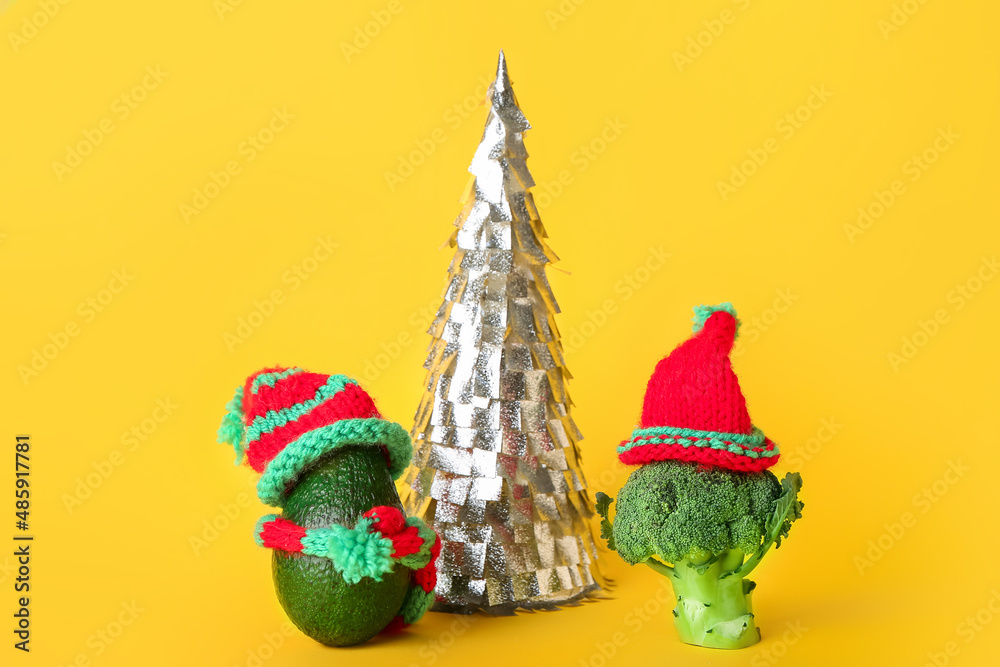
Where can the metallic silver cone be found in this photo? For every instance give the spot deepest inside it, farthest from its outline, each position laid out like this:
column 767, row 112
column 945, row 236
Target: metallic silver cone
column 496, row 470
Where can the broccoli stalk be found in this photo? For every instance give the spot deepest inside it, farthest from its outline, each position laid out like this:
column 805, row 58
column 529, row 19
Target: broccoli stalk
column 713, row 609
column 696, row 526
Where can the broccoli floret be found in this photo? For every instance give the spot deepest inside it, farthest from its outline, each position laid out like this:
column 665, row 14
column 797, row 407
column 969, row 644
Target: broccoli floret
column 670, row 509
column 705, row 529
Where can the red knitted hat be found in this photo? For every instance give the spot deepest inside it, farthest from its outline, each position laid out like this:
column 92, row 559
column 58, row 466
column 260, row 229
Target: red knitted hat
column 694, row 409
column 284, row 419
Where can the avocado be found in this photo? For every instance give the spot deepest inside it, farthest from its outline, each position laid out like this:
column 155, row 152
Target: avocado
column 338, row 489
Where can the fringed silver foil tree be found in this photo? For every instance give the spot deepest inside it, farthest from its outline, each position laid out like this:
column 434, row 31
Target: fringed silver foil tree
column 496, row 468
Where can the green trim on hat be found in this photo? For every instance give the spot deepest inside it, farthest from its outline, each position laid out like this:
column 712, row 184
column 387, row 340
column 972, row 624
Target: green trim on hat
column 742, row 444
column 269, row 379
column 305, row 450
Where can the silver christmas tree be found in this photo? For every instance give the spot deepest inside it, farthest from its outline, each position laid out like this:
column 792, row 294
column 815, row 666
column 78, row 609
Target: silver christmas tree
column 496, row 469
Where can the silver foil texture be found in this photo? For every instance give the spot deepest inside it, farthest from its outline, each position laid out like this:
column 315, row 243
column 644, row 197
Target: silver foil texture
column 496, row 467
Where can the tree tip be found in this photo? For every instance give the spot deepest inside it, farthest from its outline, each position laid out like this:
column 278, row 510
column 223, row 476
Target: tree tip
column 502, row 81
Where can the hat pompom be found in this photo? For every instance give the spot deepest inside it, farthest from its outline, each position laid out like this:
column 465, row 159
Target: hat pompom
column 231, row 430
column 702, row 313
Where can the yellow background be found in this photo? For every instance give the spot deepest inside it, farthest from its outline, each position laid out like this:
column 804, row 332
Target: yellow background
column 897, row 427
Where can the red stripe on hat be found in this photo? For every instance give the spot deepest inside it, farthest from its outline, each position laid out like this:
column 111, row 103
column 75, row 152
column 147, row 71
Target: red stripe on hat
column 350, row 403
column 248, row 397
column 286, row 392
column 643, row 454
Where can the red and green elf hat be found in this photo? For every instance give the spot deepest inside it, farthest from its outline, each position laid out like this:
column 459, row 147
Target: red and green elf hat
column 694, row 409
column 284, row 419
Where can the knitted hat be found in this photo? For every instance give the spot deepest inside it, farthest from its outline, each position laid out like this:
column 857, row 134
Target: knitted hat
column 285, row 419
column 694, row 409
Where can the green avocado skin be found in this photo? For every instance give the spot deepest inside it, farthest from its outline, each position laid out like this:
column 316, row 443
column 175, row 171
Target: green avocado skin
column 338, row 490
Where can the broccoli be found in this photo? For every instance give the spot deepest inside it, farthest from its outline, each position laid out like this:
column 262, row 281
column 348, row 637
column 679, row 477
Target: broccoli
column 705, row 529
